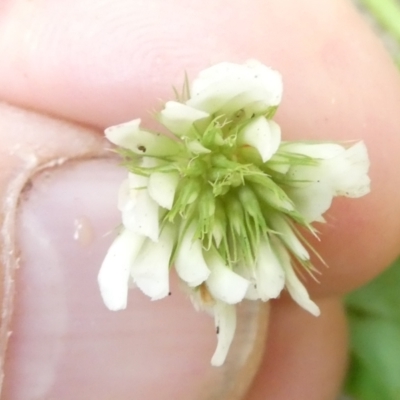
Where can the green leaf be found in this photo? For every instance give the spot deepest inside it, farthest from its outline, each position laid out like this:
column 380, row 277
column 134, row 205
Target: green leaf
column 376, row 345
column 361, row 382
column 374, row 320
column 381, row 298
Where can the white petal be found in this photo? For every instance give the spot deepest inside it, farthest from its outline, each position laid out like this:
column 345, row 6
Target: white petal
column 296, row 289
column 269, row 273
column 288, row 236
column 123, row 194
column 342, row 172
column 304, row 175
column 258, row 133
column 253, row 101
column 223, row 283
column 312, row 201
column 150, row 271
column 180, row 118
column 275, row 136
column 140, row 214
column 162, row 187
column 279, row 163
column 190, row 264
column 314, row 150
column 252, row 293
column 137, row 181
column 225, row 322
column 349, row 172
column 247, row 272
column 226, row 88
column 299, row 292
column 120, row 134
column 130, row 136
column 114, row 273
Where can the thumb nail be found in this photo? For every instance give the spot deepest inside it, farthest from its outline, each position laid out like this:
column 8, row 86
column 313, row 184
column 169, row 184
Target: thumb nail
column 66, row 344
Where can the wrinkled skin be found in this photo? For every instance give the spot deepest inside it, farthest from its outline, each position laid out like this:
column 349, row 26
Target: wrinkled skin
column 98, row 63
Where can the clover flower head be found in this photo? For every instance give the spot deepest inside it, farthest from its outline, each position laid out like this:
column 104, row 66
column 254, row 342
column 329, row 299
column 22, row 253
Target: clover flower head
column 223, row 199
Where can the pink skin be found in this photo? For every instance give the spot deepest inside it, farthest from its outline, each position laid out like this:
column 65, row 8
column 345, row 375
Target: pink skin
column 99, row 63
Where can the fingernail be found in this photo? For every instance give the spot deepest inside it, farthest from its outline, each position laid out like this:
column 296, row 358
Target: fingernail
column 66, row 344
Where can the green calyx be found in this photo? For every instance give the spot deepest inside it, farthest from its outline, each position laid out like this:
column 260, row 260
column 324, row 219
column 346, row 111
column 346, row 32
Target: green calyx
column 225, row 189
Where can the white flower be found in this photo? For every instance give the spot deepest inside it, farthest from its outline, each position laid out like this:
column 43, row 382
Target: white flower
column 227, row 88
column 222, row 200
column 337, row 171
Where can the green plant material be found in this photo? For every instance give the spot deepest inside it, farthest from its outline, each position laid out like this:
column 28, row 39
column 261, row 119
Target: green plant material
column 374, row 310
column 374, row 315
column 387, row 13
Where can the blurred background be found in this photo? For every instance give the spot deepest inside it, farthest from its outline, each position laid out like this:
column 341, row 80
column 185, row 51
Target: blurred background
column 374, row 310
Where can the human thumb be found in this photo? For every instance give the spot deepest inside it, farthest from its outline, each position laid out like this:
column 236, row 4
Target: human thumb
column 64, row 343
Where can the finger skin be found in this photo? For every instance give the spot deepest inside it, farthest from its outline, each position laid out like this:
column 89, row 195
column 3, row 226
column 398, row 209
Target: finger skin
column 306, row 357
column 27, row 147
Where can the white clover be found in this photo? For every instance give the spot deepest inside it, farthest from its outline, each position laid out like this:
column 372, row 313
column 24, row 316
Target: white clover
column 223, row 198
